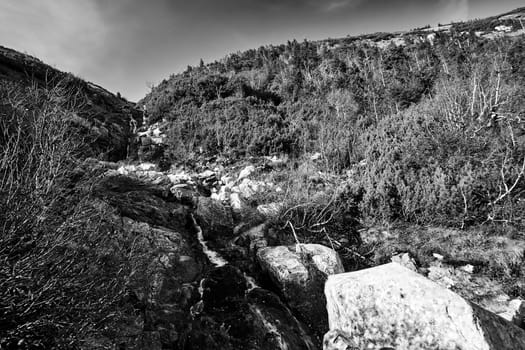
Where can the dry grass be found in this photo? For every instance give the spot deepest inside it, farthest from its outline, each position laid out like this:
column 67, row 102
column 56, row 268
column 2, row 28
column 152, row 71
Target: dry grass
column 64, row 263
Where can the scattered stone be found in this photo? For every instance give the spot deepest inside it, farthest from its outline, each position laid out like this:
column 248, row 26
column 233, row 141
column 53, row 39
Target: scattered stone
column 338, row 340
column 146, row 166
column 270, row 210
column 299, row 272
column 391, row 306
column 236, row 202
column 179, row 178
column 223, row 195
column 515, row 312
column 246, row 172
column 188, row 268
column 254, row 239
column 442, row 275
column 214, row 218
column 206, row 174
column 315, row 156
column 467, row 268
column 405, row 260
column 438, row 256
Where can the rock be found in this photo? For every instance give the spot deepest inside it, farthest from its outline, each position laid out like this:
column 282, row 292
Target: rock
column 179, row 178
column 300, row 272
column 232, row 315
column 391, row 306
column 515, row 312
column 338, row 340
column 254, row 239
column 141, row 201
column 248, row 188
column 188, row 268
column 222, row 285
column 275, row 325
column 146, row 166
column 405, row 260
column 315, row 156
column 246, row 172
column 236, row 202
column 438, row 256
column 227, row 181
column 442, row 275
column 223, row 195
column 206, row 174
column 467, row 268
column 270, row 210
column 214, row 218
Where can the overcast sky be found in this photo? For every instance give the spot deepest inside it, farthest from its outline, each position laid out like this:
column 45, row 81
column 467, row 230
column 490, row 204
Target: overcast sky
column 124, row 45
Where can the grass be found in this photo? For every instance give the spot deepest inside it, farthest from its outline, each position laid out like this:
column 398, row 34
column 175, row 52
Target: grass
column 499, row 256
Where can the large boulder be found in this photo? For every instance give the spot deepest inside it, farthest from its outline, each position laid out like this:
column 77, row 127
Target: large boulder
column 214, row 218
column 391, row 306
column 299, row 272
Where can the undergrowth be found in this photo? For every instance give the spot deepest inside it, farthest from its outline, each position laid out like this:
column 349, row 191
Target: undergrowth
column 64, row 262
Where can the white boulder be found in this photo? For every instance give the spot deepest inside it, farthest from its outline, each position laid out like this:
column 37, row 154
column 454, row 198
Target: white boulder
column 391, row 306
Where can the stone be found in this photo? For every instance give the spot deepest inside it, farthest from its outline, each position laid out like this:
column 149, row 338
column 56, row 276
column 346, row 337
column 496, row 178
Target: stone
column 146, row 166
column 515, row 312
column 254, row 238
column 338, row 340
column 223, row 195
column 467, row 268
column 206, row 174
column 405, row 260
column 214, row 218
column 392, row 306
column 300, row 272
column 438, row 256
column 188, row 269
column 246, row 172
column 236, row 203
column 248, row 188
column 443, row 275
column 315, row 156
column 179, row 178
column 270, row 210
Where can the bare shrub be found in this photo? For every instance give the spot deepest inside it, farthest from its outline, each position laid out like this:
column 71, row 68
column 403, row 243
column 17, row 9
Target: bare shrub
column 64, row 261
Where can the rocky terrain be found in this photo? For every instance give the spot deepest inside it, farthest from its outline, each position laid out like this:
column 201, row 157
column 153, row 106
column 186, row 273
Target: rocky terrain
column 111, row 241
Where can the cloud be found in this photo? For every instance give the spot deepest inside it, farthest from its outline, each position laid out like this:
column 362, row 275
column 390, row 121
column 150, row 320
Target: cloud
column 335, row 5
column 57, row 31
column 456, row 10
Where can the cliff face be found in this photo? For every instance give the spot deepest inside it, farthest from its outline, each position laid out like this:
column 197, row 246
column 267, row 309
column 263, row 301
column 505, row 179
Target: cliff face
column 105, row 121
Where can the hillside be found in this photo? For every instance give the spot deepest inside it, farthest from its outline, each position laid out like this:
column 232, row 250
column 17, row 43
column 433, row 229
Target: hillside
column 428, row 121
column 102, row 117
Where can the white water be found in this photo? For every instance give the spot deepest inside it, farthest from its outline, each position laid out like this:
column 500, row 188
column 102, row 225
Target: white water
column 213, row 256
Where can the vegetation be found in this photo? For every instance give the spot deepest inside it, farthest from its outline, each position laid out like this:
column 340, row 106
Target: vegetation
column 430, row 131
column 64, row 262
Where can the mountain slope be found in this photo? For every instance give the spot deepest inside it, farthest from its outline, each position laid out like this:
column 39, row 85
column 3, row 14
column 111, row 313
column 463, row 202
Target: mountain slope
column 426, row 120
column 105, row 120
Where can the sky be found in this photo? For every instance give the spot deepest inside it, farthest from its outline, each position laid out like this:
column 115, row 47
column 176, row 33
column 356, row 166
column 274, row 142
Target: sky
column 127, row 46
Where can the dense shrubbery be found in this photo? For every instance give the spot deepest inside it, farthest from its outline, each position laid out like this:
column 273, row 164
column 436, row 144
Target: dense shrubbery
column 431, row 131
column 64, row 263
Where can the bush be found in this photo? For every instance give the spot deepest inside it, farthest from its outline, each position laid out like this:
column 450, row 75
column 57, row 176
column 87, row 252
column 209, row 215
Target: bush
column 64, row 262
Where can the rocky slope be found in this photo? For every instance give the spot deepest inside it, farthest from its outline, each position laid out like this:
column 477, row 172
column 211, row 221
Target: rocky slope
column 106, row 120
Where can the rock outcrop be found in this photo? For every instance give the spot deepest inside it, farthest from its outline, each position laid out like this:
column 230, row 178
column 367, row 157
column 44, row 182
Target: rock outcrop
column 299, row 272
column 391, row 306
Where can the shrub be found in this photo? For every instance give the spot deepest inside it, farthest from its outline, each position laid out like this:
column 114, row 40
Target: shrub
column 64, row 262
